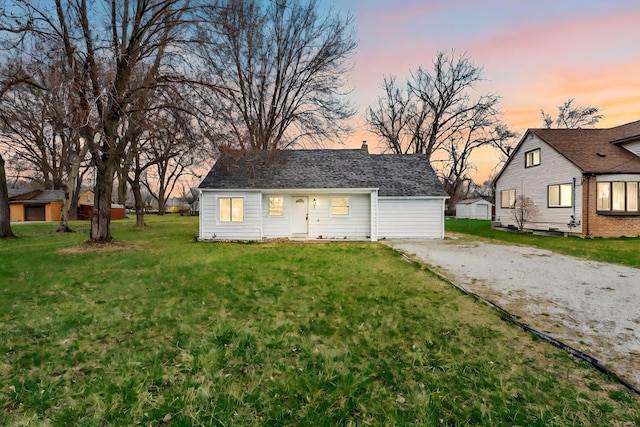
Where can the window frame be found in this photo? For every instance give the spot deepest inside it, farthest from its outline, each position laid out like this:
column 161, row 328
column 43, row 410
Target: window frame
column 526, row 158
column 273, row 210
column 612, row 209
column 560, row 198
column 231, row 199
column 332, row 206
column 512, row 205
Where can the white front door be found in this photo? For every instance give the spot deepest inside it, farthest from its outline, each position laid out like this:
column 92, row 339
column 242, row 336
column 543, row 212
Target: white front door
column 300, row 216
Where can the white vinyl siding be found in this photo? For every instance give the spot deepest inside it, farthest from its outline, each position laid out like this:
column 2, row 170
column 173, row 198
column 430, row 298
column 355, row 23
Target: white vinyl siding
column 212, row 228
column 534, row 182
column 274, row 226
column 327, row 225
column 480, row 209
column 406, row 218
column 370, row 217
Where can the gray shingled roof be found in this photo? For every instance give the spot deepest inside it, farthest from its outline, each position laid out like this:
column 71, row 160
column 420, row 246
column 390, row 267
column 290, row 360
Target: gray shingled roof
column 393, row 174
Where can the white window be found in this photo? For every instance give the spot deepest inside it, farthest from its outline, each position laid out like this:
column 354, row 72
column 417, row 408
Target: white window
column 532, row 158
column 340, row 206
column 231, row 209
column 632, row 196
column 618, row 196
column 276, row 205
column 604, row 197
column 508, row 199
column 560, row 196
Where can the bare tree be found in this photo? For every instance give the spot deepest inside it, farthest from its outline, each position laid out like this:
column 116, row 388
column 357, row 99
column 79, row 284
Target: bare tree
column 43, row 136
column 112, row 72
column 523, row 211
column 436, row 104
column 10, row 76
column 390, row 118
column 275, row 72
column 166, row 151
column 573, row 116
column 440, row 111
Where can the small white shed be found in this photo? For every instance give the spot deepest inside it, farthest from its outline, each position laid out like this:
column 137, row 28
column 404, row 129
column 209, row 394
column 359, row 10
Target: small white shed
column 474, row 209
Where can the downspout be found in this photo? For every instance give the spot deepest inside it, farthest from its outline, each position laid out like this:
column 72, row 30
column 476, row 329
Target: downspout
column 588, row 207
column 573, row 194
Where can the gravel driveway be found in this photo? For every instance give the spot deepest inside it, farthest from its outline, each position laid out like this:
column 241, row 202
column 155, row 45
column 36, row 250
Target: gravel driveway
column 591, row 306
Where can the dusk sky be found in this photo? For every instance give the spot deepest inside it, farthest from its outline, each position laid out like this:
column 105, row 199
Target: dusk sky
column 535, row 54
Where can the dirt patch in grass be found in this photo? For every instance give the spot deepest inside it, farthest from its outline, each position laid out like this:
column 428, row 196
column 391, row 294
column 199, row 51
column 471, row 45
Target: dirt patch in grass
column 89, row 246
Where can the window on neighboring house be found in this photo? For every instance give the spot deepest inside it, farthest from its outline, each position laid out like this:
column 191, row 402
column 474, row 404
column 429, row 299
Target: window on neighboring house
column 276, row 206
column 560, row 196
column 532, row 158
column 508, row 199
column 231, row 209
column 339, row 206
column 618, row 196
column 603, row 196
column 632, row 196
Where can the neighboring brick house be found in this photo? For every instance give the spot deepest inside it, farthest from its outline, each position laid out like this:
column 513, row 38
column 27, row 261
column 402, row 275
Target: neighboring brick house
column 583, row 181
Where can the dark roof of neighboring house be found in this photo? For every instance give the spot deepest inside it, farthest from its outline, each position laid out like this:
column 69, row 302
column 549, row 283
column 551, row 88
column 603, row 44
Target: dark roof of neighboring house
column 594, row 150
column 31, row 195
column 392, row 174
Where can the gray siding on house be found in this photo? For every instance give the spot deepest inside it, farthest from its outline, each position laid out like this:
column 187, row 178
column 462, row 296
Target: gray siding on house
column 533, row 183
column 405, row 218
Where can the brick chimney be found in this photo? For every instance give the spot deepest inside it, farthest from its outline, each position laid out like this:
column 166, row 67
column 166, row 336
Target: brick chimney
column 364, row 147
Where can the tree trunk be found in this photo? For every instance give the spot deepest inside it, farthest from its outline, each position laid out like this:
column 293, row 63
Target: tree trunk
column 74, row 181
column 63, row 225
column 5, row 212
column 123, row 174
column 101, row 215
column 137, row 195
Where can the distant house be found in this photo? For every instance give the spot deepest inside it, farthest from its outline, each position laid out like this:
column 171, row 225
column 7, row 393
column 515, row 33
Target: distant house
column 86, row 195
column 35, row 205
column 321, row 194
column 474, row 209
column 583, row 181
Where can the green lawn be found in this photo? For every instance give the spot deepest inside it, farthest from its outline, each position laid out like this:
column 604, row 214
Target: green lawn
column 266, row 334
column 623, row 250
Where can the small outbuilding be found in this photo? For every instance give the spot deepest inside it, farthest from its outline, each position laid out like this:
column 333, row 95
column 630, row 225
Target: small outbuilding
column 35, row 205
column 474, row 209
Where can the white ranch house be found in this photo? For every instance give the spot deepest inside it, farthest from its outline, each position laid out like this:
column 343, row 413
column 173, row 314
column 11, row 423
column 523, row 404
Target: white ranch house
column 321, row 194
